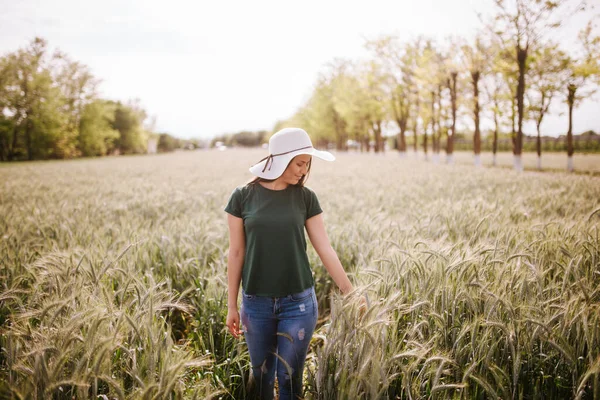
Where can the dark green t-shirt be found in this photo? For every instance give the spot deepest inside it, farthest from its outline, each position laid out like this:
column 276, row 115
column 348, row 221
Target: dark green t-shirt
column 275, row 263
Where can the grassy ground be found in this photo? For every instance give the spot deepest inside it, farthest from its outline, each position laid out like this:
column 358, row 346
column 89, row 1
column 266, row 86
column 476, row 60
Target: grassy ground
column 485, row 283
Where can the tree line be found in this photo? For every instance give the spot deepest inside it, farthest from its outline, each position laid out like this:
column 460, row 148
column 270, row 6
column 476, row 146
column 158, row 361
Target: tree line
column 511, row 72
column 241, row 139
column 586, row 142
column 50, row 108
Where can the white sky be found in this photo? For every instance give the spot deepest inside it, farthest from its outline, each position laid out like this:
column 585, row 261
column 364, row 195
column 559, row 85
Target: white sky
column 209, row 67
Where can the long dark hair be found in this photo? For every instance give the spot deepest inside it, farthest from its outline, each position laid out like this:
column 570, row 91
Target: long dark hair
column 301, row 182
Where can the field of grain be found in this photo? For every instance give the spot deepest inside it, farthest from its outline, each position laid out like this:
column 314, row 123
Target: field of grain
column 484, row 283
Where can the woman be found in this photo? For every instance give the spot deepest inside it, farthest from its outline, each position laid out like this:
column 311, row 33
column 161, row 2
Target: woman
column 267, row 252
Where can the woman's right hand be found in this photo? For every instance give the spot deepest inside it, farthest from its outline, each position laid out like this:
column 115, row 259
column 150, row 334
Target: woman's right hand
column 233, row 323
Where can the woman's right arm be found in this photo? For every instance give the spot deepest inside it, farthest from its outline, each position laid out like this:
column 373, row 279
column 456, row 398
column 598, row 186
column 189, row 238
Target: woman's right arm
column 235, row 263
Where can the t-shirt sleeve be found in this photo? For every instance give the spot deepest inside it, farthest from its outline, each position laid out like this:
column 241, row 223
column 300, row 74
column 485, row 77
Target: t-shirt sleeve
column 312, row 204
column 234, row 205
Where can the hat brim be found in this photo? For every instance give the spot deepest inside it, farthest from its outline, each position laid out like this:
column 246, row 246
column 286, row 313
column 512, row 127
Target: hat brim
column 280, row 163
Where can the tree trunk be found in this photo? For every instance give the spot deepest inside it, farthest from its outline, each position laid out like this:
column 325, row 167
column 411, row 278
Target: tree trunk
column 416, row 125
column 425, row 140
column 450, row 144
column 28, row 144
column 475, row 75
column 11, row 149
column 518, row 142
column 402, row 136
column 3, row 149
column 401, row 115
column 538, row 124
column 495, row 139
column 432, row 126
column 340, row 131
column 401, row 143
column 513, row 117
column 570, row 150
column 338, row 143
column 377, row 133
column 538, row 145
column 477, row 135
column 438, row 136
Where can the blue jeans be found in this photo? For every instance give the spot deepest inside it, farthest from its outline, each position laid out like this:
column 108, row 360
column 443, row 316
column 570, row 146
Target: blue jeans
column 278, row 331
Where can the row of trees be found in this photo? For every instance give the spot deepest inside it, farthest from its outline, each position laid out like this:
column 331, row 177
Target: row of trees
column 243, row 139
column 586, row 142
column 511, row 72
column 50, row 108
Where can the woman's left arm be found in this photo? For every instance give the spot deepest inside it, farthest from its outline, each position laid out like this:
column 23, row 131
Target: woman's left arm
column 315, row 226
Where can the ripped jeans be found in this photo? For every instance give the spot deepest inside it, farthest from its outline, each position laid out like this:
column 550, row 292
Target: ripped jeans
column 278, row 331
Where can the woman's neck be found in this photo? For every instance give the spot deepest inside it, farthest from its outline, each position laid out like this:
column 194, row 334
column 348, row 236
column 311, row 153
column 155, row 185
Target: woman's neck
column 277, row 184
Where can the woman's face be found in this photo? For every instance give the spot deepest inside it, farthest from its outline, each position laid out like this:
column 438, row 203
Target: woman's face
column 296, row 169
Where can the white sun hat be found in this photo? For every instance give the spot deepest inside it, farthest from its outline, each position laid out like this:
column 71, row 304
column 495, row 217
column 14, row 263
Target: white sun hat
column 283, row 146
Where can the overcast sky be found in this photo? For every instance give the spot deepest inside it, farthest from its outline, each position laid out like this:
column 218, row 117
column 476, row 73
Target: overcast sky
column 205, row 68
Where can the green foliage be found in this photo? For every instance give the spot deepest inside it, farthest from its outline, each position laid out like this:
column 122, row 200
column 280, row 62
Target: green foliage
column 167, row 143
column 35, row 123
column 96, row 134
column 320, row 114
column 583, row 69
column 548, row 74
column 242, row 139
column 50, row 109
column 47, row 132
column 7, row 128
column 128, row 122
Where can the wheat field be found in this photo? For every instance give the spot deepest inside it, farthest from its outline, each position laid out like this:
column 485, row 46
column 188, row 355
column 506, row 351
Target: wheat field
column 484, row 283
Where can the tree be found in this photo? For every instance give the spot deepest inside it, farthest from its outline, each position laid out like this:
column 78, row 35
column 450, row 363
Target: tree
column 503, row 85
column 8, row 97
column 18, row 77
column 128, row 122
column 324, row 121
column 424, row 61
column 335, row 111
column 338, row 72
column 78, row 88
column 547, row 74
column 373, row 96
column 437, row 74
column 324, row 114
column 401, row 104
column 34, row 121
column 453, row 99
column 97, row 136
column 413, row 61
column 351, row 103
column 397, row 65
column 474, row 57
column 167, row 143
column 500, row 98
column 47, row 131
column 581, row 71
column 452, row 64
column 49, row 109
column 522, row 24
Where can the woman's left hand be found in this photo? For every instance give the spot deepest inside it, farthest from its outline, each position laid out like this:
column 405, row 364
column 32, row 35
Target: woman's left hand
column 233, row 323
